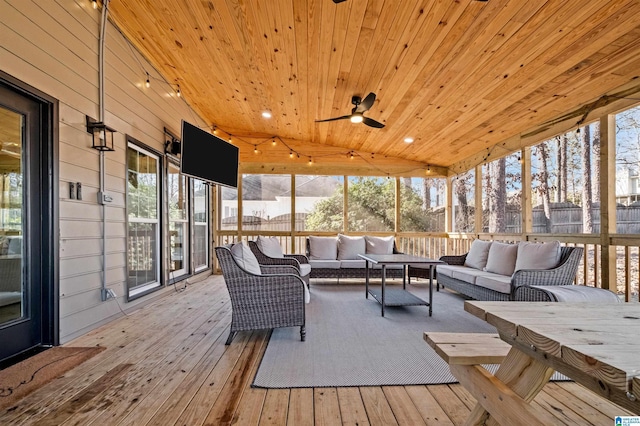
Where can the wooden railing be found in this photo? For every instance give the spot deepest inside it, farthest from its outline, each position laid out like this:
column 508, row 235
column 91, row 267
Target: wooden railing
column 434, row 245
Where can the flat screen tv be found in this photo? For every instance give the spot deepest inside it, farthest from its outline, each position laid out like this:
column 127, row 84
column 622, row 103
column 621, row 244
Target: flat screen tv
column 207, row 157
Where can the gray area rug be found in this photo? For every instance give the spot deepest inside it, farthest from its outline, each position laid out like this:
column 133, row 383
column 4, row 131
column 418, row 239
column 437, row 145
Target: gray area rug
column 350, row 344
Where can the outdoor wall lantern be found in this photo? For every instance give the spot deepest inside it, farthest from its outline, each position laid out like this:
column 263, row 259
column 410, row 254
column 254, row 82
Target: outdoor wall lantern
column 102, row 135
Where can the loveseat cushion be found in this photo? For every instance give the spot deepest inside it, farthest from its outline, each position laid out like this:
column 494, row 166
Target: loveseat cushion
column 379, row 245
column 352, row 264
column 323, row 248
column 270, row 246
column 538, row 255
column 447, row 270
column 502, row 258
column 478, row 254
column 469, row 275
column 326, row 264
column 499, row 283
column 350, row 247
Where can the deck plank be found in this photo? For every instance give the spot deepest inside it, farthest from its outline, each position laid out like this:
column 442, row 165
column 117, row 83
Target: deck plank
column 352, row 408
column 301, row 409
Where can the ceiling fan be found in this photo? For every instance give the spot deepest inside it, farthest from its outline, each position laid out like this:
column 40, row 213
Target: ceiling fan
column 357, row 113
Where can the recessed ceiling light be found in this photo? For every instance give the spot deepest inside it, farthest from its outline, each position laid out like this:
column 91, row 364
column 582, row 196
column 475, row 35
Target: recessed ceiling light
column 408, row 140
column 266, row 114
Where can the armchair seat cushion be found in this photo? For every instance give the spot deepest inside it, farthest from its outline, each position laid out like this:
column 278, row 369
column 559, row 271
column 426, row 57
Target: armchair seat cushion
column 305, row 269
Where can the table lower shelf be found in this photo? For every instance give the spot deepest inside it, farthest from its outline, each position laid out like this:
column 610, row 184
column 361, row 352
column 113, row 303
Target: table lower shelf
column 396, row 297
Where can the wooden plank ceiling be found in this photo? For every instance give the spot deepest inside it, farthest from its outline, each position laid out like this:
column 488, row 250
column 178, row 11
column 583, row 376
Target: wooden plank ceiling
column 459, row 77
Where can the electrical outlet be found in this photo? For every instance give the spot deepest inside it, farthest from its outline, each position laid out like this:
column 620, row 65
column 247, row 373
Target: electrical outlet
column 72, row 191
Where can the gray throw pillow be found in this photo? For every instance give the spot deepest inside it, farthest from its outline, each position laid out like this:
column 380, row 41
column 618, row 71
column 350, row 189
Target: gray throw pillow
column 502, row 258
column 245, row 258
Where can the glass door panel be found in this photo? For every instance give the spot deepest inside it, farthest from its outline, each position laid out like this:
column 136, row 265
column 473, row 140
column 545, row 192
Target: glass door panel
column 12, row 291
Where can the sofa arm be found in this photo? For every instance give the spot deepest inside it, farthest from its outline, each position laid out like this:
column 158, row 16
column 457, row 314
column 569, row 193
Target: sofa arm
column 563, row 274
column 454, row 260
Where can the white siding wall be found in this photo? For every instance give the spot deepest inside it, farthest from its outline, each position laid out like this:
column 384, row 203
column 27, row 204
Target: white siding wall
column 53, row 46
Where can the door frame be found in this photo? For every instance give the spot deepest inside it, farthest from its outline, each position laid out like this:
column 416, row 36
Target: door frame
column 49, row 211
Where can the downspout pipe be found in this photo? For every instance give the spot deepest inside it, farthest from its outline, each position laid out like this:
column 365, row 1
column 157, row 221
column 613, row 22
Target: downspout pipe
column 103, row 31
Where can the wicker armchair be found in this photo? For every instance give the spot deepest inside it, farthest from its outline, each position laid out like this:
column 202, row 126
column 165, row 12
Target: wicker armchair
column 271, row 300
column 295, row 260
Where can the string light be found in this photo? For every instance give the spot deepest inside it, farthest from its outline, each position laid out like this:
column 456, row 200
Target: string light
column 310, row 161
column 373, row 155
column 178, row 92
column 148, row 82
column 215, row 130
column 290, row 154
column 273, row 142
column 230, row 140
column 255, row 149
column 94, row 3
column 351, row 156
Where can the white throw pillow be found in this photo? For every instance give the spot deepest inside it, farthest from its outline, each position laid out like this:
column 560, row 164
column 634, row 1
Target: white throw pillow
column 379, row 245
column 538, row 255
column 502, row 258
column 350, row 247
column 478, row 254
column 270, row 246
column 245, row 258
column 323, row 248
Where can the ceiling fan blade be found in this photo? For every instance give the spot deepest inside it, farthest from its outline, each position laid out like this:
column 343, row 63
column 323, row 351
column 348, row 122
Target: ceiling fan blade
column 338, row 1
column 366, row 103
column 344, row 117
column 372, row 123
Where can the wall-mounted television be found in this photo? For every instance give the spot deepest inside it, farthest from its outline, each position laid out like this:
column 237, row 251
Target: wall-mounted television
column 207, row 157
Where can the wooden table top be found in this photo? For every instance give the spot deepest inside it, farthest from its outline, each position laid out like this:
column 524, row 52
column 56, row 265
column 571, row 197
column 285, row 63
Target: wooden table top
column 594, row 340
column 397, row 259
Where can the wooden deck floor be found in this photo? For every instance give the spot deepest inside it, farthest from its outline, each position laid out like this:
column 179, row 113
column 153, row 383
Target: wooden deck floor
column 167, row 364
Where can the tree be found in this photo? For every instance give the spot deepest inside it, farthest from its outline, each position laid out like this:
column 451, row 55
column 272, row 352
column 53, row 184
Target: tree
column 371, row 208
column 543, row 178
column 587, row 219
column 464, row 220
column 596, row 162
column 498, row 197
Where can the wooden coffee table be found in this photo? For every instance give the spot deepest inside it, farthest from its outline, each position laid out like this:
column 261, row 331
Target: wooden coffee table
column 396, row 296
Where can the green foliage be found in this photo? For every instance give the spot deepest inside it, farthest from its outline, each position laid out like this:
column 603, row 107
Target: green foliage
column 371, row 208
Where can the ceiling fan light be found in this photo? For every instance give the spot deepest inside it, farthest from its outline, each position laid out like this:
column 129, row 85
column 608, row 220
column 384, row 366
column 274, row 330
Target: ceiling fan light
column 356, row 118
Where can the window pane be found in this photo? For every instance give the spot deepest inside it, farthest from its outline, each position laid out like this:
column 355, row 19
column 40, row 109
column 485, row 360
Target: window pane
column 422, row 207
column 319, row 203
column 266, row 202
column 464, row 202
column 501, row 195
column 143, row 257
column 628, row 171
column 178, row 200
column 371, row 204
column 565, row 183
column 229, row 210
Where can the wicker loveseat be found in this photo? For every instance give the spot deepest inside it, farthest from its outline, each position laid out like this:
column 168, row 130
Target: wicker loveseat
column 337, row 257
column 483, row 283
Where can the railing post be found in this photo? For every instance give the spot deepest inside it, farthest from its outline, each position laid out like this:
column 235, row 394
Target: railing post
column 448, row 215
column 477, row 210
column 608, row 201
